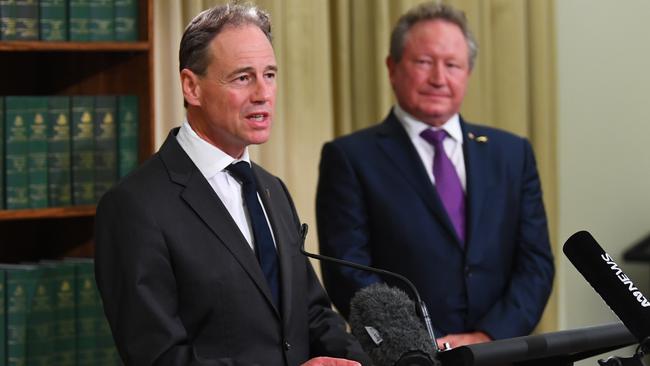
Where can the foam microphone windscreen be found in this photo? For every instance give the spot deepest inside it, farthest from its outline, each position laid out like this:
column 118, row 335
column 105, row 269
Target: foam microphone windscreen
column 612, row 284
column 384, row 321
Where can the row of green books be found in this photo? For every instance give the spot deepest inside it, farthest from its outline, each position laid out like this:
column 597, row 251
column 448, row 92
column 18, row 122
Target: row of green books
column 51, row 314
column 65, row 150
column 69, row 20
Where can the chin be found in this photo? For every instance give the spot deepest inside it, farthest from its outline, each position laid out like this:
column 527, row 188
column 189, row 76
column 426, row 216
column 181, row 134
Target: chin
column 259, row 139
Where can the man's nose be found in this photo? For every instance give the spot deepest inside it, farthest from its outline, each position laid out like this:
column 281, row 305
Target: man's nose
column 437, row 74
column 263, row 90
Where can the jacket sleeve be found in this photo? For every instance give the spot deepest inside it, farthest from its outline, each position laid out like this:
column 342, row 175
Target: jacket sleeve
column 327, row 329
column 342, row 227
column 135, row 277
column 518, row 311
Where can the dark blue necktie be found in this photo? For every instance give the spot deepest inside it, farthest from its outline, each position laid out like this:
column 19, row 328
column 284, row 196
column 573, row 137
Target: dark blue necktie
column 266, row 253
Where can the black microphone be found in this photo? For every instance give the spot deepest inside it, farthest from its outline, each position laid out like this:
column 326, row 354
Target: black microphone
column 384, row 321
column 421, row 306
column 611, row 283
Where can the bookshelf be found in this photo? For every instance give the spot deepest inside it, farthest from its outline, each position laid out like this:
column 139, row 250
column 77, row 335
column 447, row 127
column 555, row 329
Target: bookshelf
column 73, row 68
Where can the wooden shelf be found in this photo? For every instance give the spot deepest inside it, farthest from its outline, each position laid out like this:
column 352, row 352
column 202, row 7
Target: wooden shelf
column 45, row 68
column 53, row 212
column 38, row 46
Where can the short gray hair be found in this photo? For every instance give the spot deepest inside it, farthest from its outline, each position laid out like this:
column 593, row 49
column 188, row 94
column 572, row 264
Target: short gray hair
column 194, row 49
column 431, row 11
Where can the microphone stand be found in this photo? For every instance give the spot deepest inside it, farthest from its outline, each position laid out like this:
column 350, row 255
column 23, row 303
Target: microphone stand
column 422, row 307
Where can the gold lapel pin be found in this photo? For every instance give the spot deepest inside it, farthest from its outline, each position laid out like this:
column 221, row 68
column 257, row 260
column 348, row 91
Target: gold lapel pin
column 481, row 139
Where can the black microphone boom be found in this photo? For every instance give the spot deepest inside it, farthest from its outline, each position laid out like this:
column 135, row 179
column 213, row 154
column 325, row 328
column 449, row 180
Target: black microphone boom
column 424, row 313
column 611, row 283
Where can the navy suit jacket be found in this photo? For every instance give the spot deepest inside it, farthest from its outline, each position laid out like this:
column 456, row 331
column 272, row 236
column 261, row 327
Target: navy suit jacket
column 181, row 286
column 377, row 206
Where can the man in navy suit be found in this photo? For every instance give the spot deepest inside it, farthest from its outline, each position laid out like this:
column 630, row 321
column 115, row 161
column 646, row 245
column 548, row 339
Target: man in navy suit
column 455, row 207
column 197, row 251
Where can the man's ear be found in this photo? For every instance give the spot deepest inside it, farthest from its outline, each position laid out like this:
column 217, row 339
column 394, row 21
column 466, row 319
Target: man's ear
column 191, row 87
column 390, row 64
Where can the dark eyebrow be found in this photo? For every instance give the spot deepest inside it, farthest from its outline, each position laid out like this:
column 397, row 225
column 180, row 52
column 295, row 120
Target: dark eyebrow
column 249, row 70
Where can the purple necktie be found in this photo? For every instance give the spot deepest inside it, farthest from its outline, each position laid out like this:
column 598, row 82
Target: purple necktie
column 447, row 182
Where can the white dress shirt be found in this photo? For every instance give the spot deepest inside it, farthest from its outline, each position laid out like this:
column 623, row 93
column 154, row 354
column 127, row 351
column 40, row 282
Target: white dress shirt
column 211, row 162
column 453, row 144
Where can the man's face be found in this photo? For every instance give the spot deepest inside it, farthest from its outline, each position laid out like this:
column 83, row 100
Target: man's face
column 236, row 97
column 431, row 78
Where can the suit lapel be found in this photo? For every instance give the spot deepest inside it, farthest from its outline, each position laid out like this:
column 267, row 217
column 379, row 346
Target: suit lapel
column 398, row 148
column 478, row 179
column 281, row 241
column 200, row 196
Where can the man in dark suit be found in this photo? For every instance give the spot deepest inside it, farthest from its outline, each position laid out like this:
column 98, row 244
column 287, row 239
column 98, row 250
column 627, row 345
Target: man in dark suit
column 455, row 207
column 197, row 254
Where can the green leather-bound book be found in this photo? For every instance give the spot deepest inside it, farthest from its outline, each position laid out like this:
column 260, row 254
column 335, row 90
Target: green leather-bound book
column 127, row 134
column 26, row 20
column 40, row 321
column 7, row 20
column 53, row 21
column 20, row 288
column 79, row 20
column 86, row 304
column 126, row 20
column 3, row 318
column 16, row 141
column 102, row 20
column 64, row 329
column 2, row 153
column 83, row 150
column 59, row 175
column 37, row 151
column 106, row 353
column 105, row 143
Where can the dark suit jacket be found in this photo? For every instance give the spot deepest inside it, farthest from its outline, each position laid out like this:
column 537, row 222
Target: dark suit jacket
column 376, row 205
column 181, row 286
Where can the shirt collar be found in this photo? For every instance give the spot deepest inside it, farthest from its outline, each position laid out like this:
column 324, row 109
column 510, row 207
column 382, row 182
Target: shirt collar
column 414, row 127
column 208, row 158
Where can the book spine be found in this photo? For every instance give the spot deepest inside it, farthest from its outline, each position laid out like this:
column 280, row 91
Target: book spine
column 20, row 290
column 40, row 321
column 59, row 167
column 2, row 153
column 105, row 352
column 7, row 20
column 3, row 317
column 37, row 152
column 16, row 141
column 126, row 20
column 53, row 22
column 86, row 314
column 64, row 330
column 102, row 20
column 83, row 187
column 26, row 20
column 127, row 140
column 79, row 19
column 105, row 173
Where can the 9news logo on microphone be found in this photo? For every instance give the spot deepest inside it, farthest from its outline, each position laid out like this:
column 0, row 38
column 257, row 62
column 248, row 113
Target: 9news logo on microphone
column 627, row 282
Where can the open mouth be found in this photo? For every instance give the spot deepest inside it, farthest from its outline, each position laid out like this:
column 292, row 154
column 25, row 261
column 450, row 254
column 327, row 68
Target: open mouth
column 258, row 117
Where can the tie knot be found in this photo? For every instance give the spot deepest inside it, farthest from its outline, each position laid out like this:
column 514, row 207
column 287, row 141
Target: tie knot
column 434, row 137
column 241, row 171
